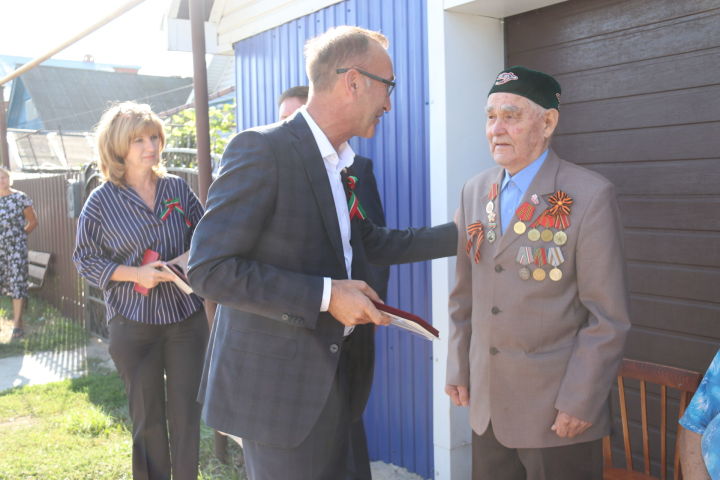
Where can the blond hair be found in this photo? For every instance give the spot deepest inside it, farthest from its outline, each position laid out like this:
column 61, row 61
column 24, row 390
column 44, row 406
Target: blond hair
column 118, row 126
column 339, row 47
column 7, row 172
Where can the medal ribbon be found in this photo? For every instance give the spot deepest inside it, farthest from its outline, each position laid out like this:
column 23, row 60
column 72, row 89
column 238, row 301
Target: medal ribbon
column 558, row 214
column 494, row 188
column 173, row 204
column 356, row 210
column 525, row 211
column 539, row 257
column 555, row 256
column 524, row 256
column 476, row 234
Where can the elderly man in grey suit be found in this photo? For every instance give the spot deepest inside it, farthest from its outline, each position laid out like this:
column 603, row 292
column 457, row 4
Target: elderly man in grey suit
column 539, row 313
column 283, row 249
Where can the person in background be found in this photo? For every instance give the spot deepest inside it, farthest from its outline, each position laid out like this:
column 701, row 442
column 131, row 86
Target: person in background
column 539, row 313
column 700, row 432
column 17, row 220
column 292, row 99
column 158, row 333
column 378, row 275
column 284, row 248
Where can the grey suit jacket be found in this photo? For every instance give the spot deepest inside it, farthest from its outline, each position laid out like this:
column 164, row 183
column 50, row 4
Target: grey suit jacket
column 529, row 348
column 269, row 235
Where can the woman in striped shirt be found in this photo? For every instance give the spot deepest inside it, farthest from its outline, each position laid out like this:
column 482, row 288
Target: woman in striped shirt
column 158, row 334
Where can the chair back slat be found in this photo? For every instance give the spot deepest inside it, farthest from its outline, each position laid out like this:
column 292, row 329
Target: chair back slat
column 625, row 425
column 663, row 432
column 645, row 435
column 685, row 381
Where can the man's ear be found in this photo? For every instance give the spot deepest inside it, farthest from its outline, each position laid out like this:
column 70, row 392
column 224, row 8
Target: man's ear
column 552, row 116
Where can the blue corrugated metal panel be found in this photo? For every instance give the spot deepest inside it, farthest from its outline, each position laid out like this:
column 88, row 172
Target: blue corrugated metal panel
column 399, row 415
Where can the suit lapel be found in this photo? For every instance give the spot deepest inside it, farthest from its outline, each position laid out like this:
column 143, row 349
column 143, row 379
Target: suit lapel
column 543, row 185
column 314, row 166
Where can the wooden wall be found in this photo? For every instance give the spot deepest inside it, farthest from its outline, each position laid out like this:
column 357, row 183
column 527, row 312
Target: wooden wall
column 641, row 106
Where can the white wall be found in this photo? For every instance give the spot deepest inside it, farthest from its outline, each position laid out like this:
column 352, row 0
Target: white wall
column 465, row 54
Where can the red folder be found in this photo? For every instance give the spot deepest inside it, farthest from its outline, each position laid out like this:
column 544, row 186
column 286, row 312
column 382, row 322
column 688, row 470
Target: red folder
column 408, row 321
column 148, row 257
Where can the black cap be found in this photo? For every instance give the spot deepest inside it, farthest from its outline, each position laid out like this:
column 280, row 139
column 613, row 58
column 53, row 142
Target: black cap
column 539, row 87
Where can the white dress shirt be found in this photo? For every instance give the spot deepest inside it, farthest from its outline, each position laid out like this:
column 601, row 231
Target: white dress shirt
column 334, row 162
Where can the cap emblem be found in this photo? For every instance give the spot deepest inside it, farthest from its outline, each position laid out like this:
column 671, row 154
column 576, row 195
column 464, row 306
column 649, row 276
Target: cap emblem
column 505, row 77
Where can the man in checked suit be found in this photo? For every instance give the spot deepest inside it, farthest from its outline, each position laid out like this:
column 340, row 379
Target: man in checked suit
column 289, row 363
column 539, row 313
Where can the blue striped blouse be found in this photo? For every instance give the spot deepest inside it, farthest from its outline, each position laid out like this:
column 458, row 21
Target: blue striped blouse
column 116, row 227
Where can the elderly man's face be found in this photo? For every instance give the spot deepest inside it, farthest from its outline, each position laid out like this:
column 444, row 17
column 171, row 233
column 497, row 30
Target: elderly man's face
column 516, row 133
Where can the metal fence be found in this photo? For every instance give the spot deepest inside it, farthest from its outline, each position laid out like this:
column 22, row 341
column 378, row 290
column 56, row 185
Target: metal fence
column 55, row 234
column 63, row 287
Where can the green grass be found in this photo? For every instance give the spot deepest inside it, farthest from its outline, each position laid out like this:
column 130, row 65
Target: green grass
column 76, row 429
column 79, row 429
column 46, row 329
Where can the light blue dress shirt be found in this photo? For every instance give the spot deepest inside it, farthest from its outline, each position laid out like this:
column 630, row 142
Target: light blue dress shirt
column 513, row 189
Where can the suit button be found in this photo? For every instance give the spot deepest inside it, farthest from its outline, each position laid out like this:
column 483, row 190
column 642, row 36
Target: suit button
column 499, row 268
column 285, row 316
column 334, row 348
column 494, row 351
column 495, row 310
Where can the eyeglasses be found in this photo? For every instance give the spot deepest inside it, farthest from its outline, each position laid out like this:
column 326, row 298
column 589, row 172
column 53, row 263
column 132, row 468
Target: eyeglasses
column 390, row 84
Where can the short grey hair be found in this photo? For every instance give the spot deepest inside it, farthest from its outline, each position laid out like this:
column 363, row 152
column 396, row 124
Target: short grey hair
column 339, row 47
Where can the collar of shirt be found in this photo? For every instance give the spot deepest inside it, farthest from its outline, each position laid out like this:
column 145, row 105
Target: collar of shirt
column 524, row 177
column 345, row 155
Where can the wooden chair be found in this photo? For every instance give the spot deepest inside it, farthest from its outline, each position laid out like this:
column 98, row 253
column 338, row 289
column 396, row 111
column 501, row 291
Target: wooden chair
column 685, row 381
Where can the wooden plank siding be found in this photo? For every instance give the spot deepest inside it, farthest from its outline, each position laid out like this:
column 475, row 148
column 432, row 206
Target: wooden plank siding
column 641, row 106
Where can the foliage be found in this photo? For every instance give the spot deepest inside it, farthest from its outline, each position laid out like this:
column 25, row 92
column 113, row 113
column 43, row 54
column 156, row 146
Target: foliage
column 46, row 329
column 181, row 133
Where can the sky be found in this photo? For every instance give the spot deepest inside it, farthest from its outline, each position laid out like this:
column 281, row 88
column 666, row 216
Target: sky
column 31, row 28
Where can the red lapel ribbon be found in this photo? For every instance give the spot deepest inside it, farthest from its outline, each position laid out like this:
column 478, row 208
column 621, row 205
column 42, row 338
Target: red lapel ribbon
column 173, row 204
column 356, row 210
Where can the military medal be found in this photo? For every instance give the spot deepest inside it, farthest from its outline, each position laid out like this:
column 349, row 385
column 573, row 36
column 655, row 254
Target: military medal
column 538, row 274
column 533, row 235
column 475, row 238
column 534, row 199
column 491, row 214
column 560, row 238
column 546, row 235
column 555, row 257
column 524, row 258
column 539, row 259
column 524, row 213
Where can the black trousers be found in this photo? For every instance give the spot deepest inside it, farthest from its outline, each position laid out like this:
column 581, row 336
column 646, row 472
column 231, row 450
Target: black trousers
column 323, row 455
column 161, row 367
column 493, row 461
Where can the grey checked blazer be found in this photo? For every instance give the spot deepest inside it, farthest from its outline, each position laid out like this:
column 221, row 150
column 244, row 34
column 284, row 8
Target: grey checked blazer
column 269, row 235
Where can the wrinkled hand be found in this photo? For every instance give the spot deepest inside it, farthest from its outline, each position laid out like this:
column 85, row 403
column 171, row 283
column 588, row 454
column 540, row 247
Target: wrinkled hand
column 459, row 395
column 149, row 275
column 350, row 303
column 567, row 426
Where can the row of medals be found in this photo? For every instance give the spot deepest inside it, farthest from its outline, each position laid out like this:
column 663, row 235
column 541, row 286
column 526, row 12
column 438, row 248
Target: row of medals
column 559, row 238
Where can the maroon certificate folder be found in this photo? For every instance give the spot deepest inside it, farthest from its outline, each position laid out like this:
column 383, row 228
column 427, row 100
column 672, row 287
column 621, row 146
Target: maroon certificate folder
column 408, row 321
